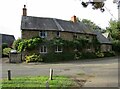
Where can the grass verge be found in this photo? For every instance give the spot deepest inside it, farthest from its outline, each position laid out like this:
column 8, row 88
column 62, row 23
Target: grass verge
column 38, row 82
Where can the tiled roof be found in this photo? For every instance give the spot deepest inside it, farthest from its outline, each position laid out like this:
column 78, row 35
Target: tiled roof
column 39, row 23
column 102, row 39
column 9, row 39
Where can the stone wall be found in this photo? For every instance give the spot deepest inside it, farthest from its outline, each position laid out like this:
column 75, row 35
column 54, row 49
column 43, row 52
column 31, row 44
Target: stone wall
column 29, row 34
column 106, row 47
column 51, row 34
column 15, row 57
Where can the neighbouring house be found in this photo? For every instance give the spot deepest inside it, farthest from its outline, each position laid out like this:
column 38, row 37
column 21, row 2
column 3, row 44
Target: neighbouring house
column 49, row 28
column 5, row 38
column 105, row 42
column 9, row 39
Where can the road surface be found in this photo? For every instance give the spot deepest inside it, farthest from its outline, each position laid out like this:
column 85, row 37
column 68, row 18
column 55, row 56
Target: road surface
column 101, row 72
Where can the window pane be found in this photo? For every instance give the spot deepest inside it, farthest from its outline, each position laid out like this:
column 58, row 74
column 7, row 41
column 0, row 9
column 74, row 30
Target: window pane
column 44, row 33
column 58, row 33
column 45, row 49
column 59, row 48
column 41, row 49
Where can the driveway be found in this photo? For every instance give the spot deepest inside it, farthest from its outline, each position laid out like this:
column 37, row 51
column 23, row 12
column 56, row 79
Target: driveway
column 101, row 72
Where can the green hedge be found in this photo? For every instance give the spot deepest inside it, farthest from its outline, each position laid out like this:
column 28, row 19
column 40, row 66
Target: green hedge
column 56, row 57
column 66, row 56
column 87, row 55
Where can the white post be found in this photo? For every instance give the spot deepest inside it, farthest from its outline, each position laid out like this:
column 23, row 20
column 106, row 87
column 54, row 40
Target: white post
column 51, row 74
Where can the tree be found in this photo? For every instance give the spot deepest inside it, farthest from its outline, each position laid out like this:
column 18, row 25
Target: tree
column 96, row 5
column 114, row 30
column 92, row 25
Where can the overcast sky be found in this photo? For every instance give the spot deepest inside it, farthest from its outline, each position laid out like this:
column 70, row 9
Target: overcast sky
column 11, row 12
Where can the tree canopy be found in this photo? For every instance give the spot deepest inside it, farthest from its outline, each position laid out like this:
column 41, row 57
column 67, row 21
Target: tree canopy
column 114, row 30
column 92, row 25
column 95, row 5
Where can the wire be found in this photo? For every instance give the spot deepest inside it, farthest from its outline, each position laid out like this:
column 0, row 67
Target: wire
column 110, row 12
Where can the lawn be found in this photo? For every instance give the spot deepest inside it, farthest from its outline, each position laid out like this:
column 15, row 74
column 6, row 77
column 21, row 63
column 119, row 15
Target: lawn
column 38, row 82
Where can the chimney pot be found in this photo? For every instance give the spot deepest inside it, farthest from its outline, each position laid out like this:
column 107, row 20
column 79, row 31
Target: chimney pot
column 24, row 11
column 74, row 19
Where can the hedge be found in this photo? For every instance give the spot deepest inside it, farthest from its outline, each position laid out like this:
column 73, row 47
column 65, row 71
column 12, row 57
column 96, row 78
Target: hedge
column 56, row 57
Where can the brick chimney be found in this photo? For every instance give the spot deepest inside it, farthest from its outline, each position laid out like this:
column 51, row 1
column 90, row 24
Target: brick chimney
column 74, row 19
column 24, row 11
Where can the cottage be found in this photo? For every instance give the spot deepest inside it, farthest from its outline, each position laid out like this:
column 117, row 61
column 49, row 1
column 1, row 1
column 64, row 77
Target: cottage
column 49, row 28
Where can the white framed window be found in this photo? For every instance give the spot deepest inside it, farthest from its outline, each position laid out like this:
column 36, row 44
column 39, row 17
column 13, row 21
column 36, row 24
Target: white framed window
column 58, row 34
column 58, row 49
column 43, row 34
column 75, row 36
column 43, row 49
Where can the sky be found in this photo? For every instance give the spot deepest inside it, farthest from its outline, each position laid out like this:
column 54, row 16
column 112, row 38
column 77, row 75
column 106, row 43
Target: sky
column 11, row 12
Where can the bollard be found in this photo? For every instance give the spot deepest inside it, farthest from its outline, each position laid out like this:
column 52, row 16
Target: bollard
column 9, row 75
column 51, row 74
column 47, row 85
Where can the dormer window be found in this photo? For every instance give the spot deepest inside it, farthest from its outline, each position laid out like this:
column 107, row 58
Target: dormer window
column 43, row 34
column 58, row 34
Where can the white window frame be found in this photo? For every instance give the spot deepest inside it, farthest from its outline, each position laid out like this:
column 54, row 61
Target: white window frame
column 58, row 35
column 43, row 48
column 56, row 49
column 41, row 32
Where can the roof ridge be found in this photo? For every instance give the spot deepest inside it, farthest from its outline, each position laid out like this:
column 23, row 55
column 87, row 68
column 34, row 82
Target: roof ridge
column 58, row 25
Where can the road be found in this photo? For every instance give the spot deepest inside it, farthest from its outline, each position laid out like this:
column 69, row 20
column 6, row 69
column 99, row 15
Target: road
column 101, row 72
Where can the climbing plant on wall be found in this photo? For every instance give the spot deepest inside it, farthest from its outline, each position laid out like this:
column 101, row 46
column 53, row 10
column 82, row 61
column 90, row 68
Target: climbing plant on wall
column 29, row 44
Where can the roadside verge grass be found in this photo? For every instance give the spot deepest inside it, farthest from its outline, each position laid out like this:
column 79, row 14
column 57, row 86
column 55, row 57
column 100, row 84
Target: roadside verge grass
column 38, row 82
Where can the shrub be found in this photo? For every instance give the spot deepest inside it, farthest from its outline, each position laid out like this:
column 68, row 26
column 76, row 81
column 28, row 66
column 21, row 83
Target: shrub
column 99, row 54
column 16, row 43
column 87, row 55
column 6, row 52
column 56, row 57
column 109, row 54
column 33, row 58
column 4, row 45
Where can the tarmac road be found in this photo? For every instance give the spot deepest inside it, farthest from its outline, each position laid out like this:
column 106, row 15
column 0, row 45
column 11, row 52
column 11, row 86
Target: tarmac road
column 101, row 72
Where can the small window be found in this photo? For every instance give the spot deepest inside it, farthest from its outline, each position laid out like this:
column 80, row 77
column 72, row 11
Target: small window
column 75, row 36
column 58, row 34
column 43, row 34
column 43, row 49
column 58, row 49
